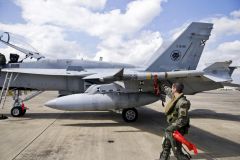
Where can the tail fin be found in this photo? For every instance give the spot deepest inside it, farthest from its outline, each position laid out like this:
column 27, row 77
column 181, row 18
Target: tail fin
column 219, row 71
column 185, row 51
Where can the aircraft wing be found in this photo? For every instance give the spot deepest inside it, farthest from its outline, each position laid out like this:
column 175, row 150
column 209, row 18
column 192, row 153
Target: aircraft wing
column 91, row 74
column 52, row 72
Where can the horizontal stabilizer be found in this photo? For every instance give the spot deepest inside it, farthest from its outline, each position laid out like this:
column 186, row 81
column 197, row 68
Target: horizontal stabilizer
column 219, row 71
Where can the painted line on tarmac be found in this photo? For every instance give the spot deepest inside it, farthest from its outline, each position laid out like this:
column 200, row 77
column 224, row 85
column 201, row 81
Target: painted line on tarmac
column 37, row 136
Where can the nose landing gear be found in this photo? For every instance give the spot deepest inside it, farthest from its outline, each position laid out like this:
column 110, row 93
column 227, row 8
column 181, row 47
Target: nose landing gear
column 18, row 110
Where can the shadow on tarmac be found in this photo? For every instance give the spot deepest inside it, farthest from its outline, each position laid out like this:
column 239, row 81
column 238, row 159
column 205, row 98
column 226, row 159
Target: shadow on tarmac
column 210, row 114
column 154, row 122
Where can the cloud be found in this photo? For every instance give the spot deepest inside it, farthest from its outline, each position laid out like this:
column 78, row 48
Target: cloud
column 120, row 31
column 223, row 52
column 91, row 4
column 218, row 48
column 48, row 40
column 235, row 13
column 233, row 46
column 74, row 15
column 176, row 32
column 135, row 51
column 225, row 26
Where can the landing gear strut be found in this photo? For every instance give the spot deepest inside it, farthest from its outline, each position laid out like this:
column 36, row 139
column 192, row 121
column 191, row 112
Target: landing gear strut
column 19, row 108
column 130, row 115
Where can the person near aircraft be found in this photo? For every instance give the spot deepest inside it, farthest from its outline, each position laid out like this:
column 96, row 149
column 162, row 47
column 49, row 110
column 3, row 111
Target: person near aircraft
column 176, row 112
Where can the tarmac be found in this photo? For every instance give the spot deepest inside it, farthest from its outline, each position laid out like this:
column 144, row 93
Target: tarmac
column 49, row 134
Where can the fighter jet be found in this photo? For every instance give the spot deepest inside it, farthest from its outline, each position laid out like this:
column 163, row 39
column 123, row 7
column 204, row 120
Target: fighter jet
column 96, row 85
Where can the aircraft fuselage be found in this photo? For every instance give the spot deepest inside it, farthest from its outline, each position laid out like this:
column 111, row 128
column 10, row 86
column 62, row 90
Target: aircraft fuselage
column 65, row 84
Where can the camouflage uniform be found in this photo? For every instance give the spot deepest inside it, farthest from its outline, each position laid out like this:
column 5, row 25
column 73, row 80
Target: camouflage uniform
column 178, row 119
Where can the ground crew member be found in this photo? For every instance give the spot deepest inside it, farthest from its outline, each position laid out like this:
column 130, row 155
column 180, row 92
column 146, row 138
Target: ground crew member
column 176, row 112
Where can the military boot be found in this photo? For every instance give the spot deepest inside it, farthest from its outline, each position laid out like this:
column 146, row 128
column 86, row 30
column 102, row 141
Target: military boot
column 181, row 156
column 179, row 153
column 166, row 145
column 165, row 155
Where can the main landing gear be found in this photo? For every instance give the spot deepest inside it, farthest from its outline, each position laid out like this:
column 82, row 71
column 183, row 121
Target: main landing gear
column 129, row 115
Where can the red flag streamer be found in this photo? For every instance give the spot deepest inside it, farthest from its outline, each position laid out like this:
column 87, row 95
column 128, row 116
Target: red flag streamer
column 182, row 140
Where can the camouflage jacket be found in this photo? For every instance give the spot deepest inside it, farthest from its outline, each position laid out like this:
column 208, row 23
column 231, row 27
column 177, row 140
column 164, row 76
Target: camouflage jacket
column 177, row 110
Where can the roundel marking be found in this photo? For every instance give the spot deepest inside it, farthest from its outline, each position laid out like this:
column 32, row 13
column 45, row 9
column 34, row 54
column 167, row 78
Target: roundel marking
column 175, row 55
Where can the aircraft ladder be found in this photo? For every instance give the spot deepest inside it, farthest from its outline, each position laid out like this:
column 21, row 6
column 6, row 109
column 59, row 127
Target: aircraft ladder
column 5, row 88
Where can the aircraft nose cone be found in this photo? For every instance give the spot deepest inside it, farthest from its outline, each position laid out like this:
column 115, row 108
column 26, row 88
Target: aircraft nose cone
column 51, row 103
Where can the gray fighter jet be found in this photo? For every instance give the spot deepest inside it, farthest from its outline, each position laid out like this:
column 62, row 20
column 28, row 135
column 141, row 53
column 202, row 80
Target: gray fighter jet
column 96, row 85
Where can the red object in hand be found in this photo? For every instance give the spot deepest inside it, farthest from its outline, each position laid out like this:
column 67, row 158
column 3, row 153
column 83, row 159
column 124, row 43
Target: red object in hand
column 178, row 136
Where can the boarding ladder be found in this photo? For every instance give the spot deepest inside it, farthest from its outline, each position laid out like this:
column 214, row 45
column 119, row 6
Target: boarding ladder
column 5, row 88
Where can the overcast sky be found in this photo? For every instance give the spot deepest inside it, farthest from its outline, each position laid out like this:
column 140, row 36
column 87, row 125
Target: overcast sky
column 128, row 31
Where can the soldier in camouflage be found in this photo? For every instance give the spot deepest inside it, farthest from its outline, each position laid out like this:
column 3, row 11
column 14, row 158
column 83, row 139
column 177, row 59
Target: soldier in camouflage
column 176, row 112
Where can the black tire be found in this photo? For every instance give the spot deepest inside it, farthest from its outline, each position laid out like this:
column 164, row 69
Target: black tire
column 130, row 115
column 16, row 111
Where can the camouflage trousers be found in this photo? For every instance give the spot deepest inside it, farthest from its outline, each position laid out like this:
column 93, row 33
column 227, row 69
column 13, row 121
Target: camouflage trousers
column 169, row 143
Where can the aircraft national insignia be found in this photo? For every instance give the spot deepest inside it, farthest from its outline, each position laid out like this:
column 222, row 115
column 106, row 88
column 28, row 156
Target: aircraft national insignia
column 175, row 55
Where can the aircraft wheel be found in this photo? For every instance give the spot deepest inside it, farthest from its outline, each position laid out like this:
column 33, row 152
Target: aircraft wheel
column 16, row 111
column 130, row 115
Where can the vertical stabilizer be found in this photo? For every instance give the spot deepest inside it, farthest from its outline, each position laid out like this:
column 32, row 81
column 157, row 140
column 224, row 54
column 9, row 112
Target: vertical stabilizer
column 184, row 53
